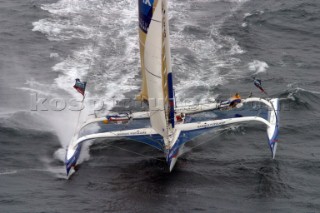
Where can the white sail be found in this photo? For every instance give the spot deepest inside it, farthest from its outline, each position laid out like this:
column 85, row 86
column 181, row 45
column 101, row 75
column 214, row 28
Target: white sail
column 166, row 36
column 153, row 70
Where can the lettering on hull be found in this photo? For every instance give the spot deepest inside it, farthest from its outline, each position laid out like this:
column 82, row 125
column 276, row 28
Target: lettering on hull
column 211, row 125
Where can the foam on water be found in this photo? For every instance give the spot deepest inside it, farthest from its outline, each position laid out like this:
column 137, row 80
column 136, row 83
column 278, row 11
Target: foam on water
column 8, row 172
column 244, row 24
column 247, row 15
column 106, row 58
column 257, row 66
column 114, row 47
column 108, row 29
column 75, row 66
column 211, row 52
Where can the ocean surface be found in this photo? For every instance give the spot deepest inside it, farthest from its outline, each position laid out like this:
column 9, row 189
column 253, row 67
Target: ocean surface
column 217, row 46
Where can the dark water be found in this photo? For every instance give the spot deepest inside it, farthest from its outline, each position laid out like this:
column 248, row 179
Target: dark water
column 216, row 47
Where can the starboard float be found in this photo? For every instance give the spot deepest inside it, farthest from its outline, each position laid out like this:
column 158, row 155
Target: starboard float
column 166, row 127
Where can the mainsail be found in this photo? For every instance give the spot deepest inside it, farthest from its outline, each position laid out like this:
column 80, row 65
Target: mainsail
column 156, row 64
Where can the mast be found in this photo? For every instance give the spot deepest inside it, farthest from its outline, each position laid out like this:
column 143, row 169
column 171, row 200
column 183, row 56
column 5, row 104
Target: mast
column 167, row 71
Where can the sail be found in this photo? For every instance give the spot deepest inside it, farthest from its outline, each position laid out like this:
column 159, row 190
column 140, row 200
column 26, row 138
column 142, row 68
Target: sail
column 153, row 71
column 157, row 67
column 145, row 15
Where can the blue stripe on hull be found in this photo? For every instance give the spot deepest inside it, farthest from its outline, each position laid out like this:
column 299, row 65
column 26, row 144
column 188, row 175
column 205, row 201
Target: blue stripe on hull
column 73, row 160
column 274, row 139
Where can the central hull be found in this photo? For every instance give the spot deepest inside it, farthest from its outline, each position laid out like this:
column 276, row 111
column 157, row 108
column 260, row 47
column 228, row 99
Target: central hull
column 173, row 155
column 174, row 152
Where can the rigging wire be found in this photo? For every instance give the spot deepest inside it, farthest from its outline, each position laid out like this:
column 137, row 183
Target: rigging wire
column 90, row 66
column 200, row 144
column 142, row 155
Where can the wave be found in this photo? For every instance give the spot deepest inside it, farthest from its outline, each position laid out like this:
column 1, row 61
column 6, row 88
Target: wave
column 300, row 98
column 201, row 50
column 287, row 18
column 257, row 67
column 8, row 172
column 110, row 39
column 43, row 89
column 108, row 54
column 24, row 120
column 272, row 183
column 256, row 13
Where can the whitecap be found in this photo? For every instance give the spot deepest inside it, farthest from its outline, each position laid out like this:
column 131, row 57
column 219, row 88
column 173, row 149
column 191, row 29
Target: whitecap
column 257, row 66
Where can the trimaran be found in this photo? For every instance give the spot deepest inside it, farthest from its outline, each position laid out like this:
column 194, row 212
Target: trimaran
column 167, row 127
